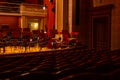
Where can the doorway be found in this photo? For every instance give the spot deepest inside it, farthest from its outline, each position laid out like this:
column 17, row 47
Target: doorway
column 36, row 23
column 33, row 24
column 101, row 33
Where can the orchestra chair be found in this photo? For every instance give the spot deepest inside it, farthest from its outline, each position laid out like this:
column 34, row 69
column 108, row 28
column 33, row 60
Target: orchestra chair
column 1, row 43
column 53, row 32
column 66, row 36
column 74, row 38
column 26, row 36
column 16, row 39
column 74, row 34
column 44, row 40
column 5, row 29
column 34, row 39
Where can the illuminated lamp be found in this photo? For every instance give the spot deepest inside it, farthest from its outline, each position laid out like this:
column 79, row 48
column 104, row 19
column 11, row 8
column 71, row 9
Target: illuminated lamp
column 44, row 7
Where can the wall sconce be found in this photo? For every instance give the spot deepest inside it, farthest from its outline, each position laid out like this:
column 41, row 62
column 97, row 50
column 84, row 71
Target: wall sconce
column 44, row 7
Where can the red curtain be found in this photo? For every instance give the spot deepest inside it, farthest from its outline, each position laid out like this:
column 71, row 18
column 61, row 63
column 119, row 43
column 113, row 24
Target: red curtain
column 51, row 15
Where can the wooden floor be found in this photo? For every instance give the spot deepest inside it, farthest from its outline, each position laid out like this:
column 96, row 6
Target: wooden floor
column 18, row 49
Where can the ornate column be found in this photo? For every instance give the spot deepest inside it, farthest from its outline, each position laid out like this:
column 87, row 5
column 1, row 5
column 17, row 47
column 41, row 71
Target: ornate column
column 59, row 15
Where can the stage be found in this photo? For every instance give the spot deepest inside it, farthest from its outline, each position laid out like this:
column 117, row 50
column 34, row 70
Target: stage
column 23, row 50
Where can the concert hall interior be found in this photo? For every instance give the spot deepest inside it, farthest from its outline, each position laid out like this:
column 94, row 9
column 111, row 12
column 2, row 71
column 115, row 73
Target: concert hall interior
column 59, row 40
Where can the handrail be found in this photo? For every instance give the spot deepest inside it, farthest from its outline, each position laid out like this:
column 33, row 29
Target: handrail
column 9, row 3
column 6, row 7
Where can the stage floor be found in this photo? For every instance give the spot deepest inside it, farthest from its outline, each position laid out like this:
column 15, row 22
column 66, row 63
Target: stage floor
column 18, row 49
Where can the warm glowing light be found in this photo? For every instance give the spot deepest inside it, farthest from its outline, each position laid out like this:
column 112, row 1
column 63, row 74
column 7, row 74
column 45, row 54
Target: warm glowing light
column 45, row 32
column 44, row 7
column 34, row 26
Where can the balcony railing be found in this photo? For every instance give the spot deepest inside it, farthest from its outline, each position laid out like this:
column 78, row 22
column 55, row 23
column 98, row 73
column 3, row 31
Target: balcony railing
column 6, row 7
column 22, row 9
column 32, row 10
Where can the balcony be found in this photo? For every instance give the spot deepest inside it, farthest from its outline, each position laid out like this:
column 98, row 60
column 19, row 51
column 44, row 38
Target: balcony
column 6, row 7
column 22, row 9
column 32, row 10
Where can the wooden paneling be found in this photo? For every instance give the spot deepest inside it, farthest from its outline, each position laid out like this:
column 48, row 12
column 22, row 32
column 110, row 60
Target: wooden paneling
column 100, row 33
column 101, row 27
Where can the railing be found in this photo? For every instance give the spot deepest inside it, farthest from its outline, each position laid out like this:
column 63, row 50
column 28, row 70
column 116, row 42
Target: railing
column 23, row 9
column 6, row 7
column 32, row 10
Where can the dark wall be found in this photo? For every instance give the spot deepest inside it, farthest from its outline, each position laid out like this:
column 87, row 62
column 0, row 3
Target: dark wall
column 65, row 15
column 40, row 1
column 82, row 20
column 77, row 12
